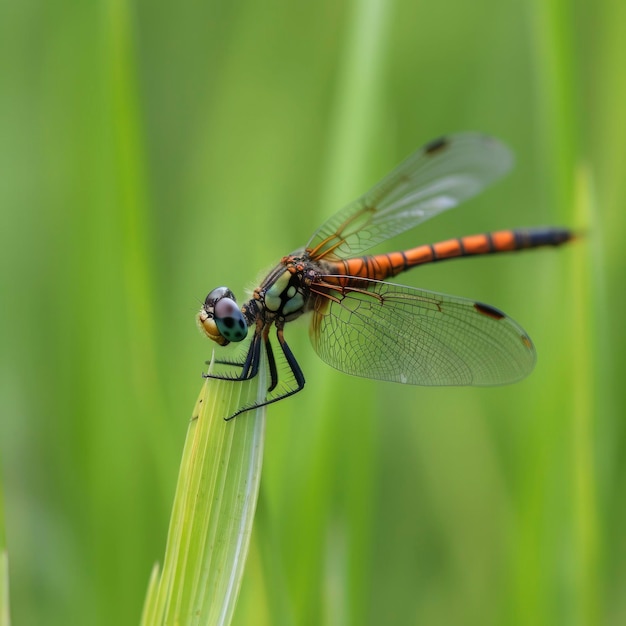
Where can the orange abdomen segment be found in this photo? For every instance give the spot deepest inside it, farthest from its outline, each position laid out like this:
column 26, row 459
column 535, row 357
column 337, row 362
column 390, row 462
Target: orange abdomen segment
column 382, row 266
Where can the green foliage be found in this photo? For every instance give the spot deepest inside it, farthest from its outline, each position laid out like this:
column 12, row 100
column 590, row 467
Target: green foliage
column 151, row 152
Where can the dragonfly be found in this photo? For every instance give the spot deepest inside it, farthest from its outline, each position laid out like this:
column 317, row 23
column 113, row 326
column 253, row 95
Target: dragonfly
column 366, row 326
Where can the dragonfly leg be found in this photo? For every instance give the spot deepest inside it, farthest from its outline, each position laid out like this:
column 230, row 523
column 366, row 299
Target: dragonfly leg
column 250, row 366
column 271, row 362
column 230, row 362
column 296, row 370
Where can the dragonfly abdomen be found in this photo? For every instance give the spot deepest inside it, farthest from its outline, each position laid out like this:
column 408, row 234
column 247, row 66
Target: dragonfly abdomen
column 382, row 266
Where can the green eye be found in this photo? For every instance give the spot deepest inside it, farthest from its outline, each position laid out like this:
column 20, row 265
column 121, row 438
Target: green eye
column 221, row 319
column 230, row 320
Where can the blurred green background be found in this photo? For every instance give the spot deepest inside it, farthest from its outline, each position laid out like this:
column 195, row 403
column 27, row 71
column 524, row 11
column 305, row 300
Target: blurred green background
column 151, row 151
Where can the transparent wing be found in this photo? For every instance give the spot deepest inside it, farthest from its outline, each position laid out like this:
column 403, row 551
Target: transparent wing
column 434, row 179
column 396, row 333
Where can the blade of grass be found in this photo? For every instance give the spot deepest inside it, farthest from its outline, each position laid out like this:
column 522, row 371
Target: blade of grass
column 213, row 510
column 4, row 589
column 584, row 467
column 338, row 546
column 4, row 570
column 356, row 126
column 546, row 594
column 148, row 615
column 607, row 140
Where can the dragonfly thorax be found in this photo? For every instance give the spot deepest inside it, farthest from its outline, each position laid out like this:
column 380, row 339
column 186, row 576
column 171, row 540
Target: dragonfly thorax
column 284, row 293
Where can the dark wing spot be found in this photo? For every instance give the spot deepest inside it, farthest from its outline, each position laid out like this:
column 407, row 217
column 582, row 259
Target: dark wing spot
column 489, row 311
column 435, row 146
column 229, row 322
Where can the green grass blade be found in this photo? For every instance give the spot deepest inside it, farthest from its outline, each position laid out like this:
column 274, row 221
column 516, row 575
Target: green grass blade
column 213, row 511
column 4, row 570
column 329, row 579
column 4, row 589
column 148, row 615
column 587, row 534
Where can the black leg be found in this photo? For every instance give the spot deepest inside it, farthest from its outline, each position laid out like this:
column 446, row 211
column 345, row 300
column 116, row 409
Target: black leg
column 295, row 370
column 227, row 362
column 293, row 364
column 250, row 366
column 271, row 361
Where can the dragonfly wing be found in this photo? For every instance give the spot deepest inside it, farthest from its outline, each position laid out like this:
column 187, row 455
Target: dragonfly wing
column 434, row 179
column 396, row 333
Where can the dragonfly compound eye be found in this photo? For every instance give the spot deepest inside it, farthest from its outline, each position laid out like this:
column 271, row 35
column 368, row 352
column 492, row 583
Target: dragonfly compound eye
column 215, row 296
column 230, row 321
column 221, row 319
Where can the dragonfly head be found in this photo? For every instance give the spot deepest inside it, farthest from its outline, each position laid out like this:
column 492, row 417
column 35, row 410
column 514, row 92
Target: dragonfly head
column 221, row 319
